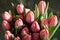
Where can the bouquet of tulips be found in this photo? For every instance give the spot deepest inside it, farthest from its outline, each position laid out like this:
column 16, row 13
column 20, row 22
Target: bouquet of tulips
column 22, row 23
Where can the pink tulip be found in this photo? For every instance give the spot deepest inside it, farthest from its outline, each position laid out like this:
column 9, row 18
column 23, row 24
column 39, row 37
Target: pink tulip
column 35, row 26
column 19, row 23
column 44, row 23
column 17, row 38
column 20, row 8
column 24, row 31
column 30, row 17
column 27, row 37
column 53, row 20
column 8, row 35
column 41, row 7
column 5, row 25
column 7, row 16
column 44, row 33
column 35, row 36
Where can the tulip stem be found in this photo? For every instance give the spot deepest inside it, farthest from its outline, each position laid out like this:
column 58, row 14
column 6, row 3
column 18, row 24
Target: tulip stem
column 16, row 30
column 12, row 37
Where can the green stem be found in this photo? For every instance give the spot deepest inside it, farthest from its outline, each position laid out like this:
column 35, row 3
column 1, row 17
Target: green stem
column 12, row 37
column 16, row 30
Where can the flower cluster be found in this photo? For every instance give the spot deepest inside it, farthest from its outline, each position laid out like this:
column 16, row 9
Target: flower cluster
column 26, row 24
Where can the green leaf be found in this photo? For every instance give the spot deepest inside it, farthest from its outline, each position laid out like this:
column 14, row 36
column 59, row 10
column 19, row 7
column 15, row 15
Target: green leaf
column 46, row 11
column 14, row 12
column 47, row 39
column 36, row 12
column 12, row 36
column 13, row 9
column 52, row 30
column 40, row 18
column 16, row 30
column 51, row 13
column 26, row 10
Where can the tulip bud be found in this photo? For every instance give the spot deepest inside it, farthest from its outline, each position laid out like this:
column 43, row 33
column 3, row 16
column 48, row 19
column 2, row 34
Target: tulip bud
column 8, row 35
column 24, row 31
column 41, row 7
column 53, row 20
column 19, row 23
column 30, row 17
column 44, row 34
column 27, row 37
column 17, row 38
column 44, row 23
column 5, row 25
column 35, row 36
column 7, row 16
column 20, row 8
column 35, row 26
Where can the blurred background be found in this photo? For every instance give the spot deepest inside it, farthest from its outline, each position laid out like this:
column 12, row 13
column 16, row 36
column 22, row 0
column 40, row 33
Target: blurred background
column 54, row 5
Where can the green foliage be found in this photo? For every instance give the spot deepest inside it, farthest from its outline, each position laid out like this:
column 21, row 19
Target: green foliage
column 46, row 11
column 36, row 12
column 12, row 36
column 50, row 14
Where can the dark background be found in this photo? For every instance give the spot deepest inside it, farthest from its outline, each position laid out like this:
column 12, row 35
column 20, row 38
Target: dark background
column 6, row 5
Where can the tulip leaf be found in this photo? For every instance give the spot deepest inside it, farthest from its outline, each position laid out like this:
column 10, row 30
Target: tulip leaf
column 26, row 10
column 13, row 10
column 46, row 11
column 12, row 36
column 52, row 30
column 36, row 12
column 50, row 14
column 40, row 18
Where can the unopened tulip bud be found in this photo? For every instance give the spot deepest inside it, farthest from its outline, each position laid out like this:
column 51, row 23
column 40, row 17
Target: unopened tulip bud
column 53, row 20
column 7, row 16
column 41, row 7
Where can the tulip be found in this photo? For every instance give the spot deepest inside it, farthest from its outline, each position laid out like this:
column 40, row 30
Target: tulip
column 44, row 23
column 44, row 34
column 19, row 23
column 5, row 25
column 24, row 31
column 8, row 35
column 17, row 38
column 35, row 26
column 27, row 37
column 53, row 20
column 30, row 17
column 7, row 16
column 20, row 8
column 41, row 7
column 35, row 36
